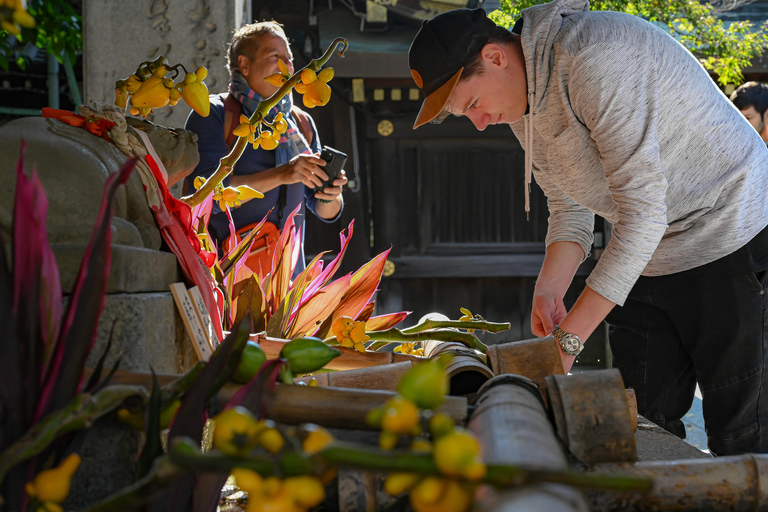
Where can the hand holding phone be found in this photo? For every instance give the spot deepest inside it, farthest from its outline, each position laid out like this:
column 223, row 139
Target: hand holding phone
column 334, row 163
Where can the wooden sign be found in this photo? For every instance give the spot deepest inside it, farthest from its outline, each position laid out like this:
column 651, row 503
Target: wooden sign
column 205, row 318
column 191, row 321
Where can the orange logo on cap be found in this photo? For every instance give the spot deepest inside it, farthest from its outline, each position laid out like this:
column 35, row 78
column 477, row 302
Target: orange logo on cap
column 417, row 78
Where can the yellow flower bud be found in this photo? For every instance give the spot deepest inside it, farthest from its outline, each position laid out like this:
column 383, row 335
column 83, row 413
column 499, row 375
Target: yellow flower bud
column 317, row 438
column 247, row 193
column 308, row 76
column 326, row 75
column 53, row 484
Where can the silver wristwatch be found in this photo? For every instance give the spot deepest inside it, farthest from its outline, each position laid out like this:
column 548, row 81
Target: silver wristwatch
column 569, row 343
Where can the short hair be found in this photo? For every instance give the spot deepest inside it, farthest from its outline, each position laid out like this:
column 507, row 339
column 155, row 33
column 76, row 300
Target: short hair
column 245, row 41
column 499, row 35
column 751, row 94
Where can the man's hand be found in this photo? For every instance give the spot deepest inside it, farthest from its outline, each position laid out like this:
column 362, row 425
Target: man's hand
column 331, row 193
column 304, row 169
column 548, row 310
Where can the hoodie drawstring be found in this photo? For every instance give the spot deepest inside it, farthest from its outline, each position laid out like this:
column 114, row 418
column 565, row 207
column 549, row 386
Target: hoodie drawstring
column 528, row 156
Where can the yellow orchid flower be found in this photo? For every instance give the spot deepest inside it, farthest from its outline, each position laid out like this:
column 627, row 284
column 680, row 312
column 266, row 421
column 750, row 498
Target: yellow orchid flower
column 350, row 333
column 174, row 96
column 199, row 182
column 132, row 83
column 278, row 79
column 195, row 92
column 14, row 16
column 245, row 129
column 51, row 487
column 406, row 347
column 468, row 317
column 268, row 140
column 315, row 88
column 121, row 94
column 247, row 193
column 155, row 92
column 280, row 124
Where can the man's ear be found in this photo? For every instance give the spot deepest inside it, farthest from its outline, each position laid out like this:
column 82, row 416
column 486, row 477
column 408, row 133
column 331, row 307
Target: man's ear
column 494, row 55
column 243, row 64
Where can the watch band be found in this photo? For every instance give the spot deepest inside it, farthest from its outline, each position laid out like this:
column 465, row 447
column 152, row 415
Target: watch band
column 570, row 344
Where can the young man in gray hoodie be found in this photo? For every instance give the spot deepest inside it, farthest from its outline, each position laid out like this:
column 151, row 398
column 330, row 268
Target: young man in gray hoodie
column 618, row 119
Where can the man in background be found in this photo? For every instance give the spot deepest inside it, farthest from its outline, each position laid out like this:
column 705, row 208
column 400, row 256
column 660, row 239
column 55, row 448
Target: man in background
column 751, row 99
column 286, row 175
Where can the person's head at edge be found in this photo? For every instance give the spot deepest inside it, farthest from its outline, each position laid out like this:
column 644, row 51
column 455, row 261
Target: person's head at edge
column 467, row 65
column 751, row 99
column 254, row 52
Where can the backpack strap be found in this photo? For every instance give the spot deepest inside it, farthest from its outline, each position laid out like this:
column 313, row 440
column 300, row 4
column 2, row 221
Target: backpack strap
column 232, row 112
column 304, row 125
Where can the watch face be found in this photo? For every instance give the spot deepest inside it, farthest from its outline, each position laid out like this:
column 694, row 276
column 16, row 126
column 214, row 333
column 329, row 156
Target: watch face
column 571, row 345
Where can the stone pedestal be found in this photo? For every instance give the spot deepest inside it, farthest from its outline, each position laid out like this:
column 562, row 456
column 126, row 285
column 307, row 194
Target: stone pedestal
column 147, row 331
column 118, row 36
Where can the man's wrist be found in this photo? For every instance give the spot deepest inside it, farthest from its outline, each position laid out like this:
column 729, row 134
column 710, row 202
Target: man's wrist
column 570, row 344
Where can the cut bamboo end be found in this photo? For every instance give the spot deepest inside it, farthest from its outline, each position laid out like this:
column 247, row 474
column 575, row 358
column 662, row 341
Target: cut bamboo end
column 536, row 359
column 592, row 416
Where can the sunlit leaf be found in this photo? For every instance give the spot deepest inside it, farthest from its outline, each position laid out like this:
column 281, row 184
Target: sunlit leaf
column 312, row 313
column 384, row 322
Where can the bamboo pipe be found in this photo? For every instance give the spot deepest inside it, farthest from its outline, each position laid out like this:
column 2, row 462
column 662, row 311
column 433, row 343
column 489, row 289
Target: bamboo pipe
column 329, row 407
column 466, row 372
column 384, row 377
column 511, row 424
column 536, row 359
column 349, row 359
column 735, row 483
column 335, row 407
column 592, row 416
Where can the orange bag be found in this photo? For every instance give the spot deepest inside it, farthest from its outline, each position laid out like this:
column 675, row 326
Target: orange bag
column 262, row 249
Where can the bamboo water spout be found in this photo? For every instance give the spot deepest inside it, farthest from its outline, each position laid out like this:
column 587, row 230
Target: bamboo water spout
column 511, row 424
column 735, row 483
column 467, row 371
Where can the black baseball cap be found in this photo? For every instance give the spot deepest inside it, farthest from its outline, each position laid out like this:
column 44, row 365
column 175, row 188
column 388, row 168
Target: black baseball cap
column 439, row 52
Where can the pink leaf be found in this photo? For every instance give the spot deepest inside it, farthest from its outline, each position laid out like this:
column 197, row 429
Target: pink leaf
column 312, row 313
column 384, row 322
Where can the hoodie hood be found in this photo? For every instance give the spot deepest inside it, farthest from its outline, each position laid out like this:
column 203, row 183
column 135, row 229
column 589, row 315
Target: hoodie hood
column 541, row 26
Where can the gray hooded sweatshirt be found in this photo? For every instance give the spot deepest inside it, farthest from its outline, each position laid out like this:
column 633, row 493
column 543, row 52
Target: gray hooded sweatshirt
column 624, row 122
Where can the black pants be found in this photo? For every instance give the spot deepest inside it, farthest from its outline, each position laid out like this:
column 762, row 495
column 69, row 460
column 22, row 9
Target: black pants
column 677, row 330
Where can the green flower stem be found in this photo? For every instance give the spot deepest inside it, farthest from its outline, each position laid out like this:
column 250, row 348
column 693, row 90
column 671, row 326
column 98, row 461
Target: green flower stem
column 396, row 335
column 227, row 163
column 186, row 454
column 482, row 325
column 500, row 476
column 80, row 413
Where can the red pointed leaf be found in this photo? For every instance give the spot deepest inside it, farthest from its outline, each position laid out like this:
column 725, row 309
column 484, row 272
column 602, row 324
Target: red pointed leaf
column 362, row 287
column 312, row 313
column 327, row 274
column 384, row 322
column 366, row 313
column 78, row 330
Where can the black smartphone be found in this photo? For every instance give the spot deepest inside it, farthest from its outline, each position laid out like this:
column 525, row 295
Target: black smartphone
column 334, row 163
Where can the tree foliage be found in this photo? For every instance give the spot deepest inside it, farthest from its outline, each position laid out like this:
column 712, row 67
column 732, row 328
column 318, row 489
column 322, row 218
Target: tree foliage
column 58, row 30
column 724, row 49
